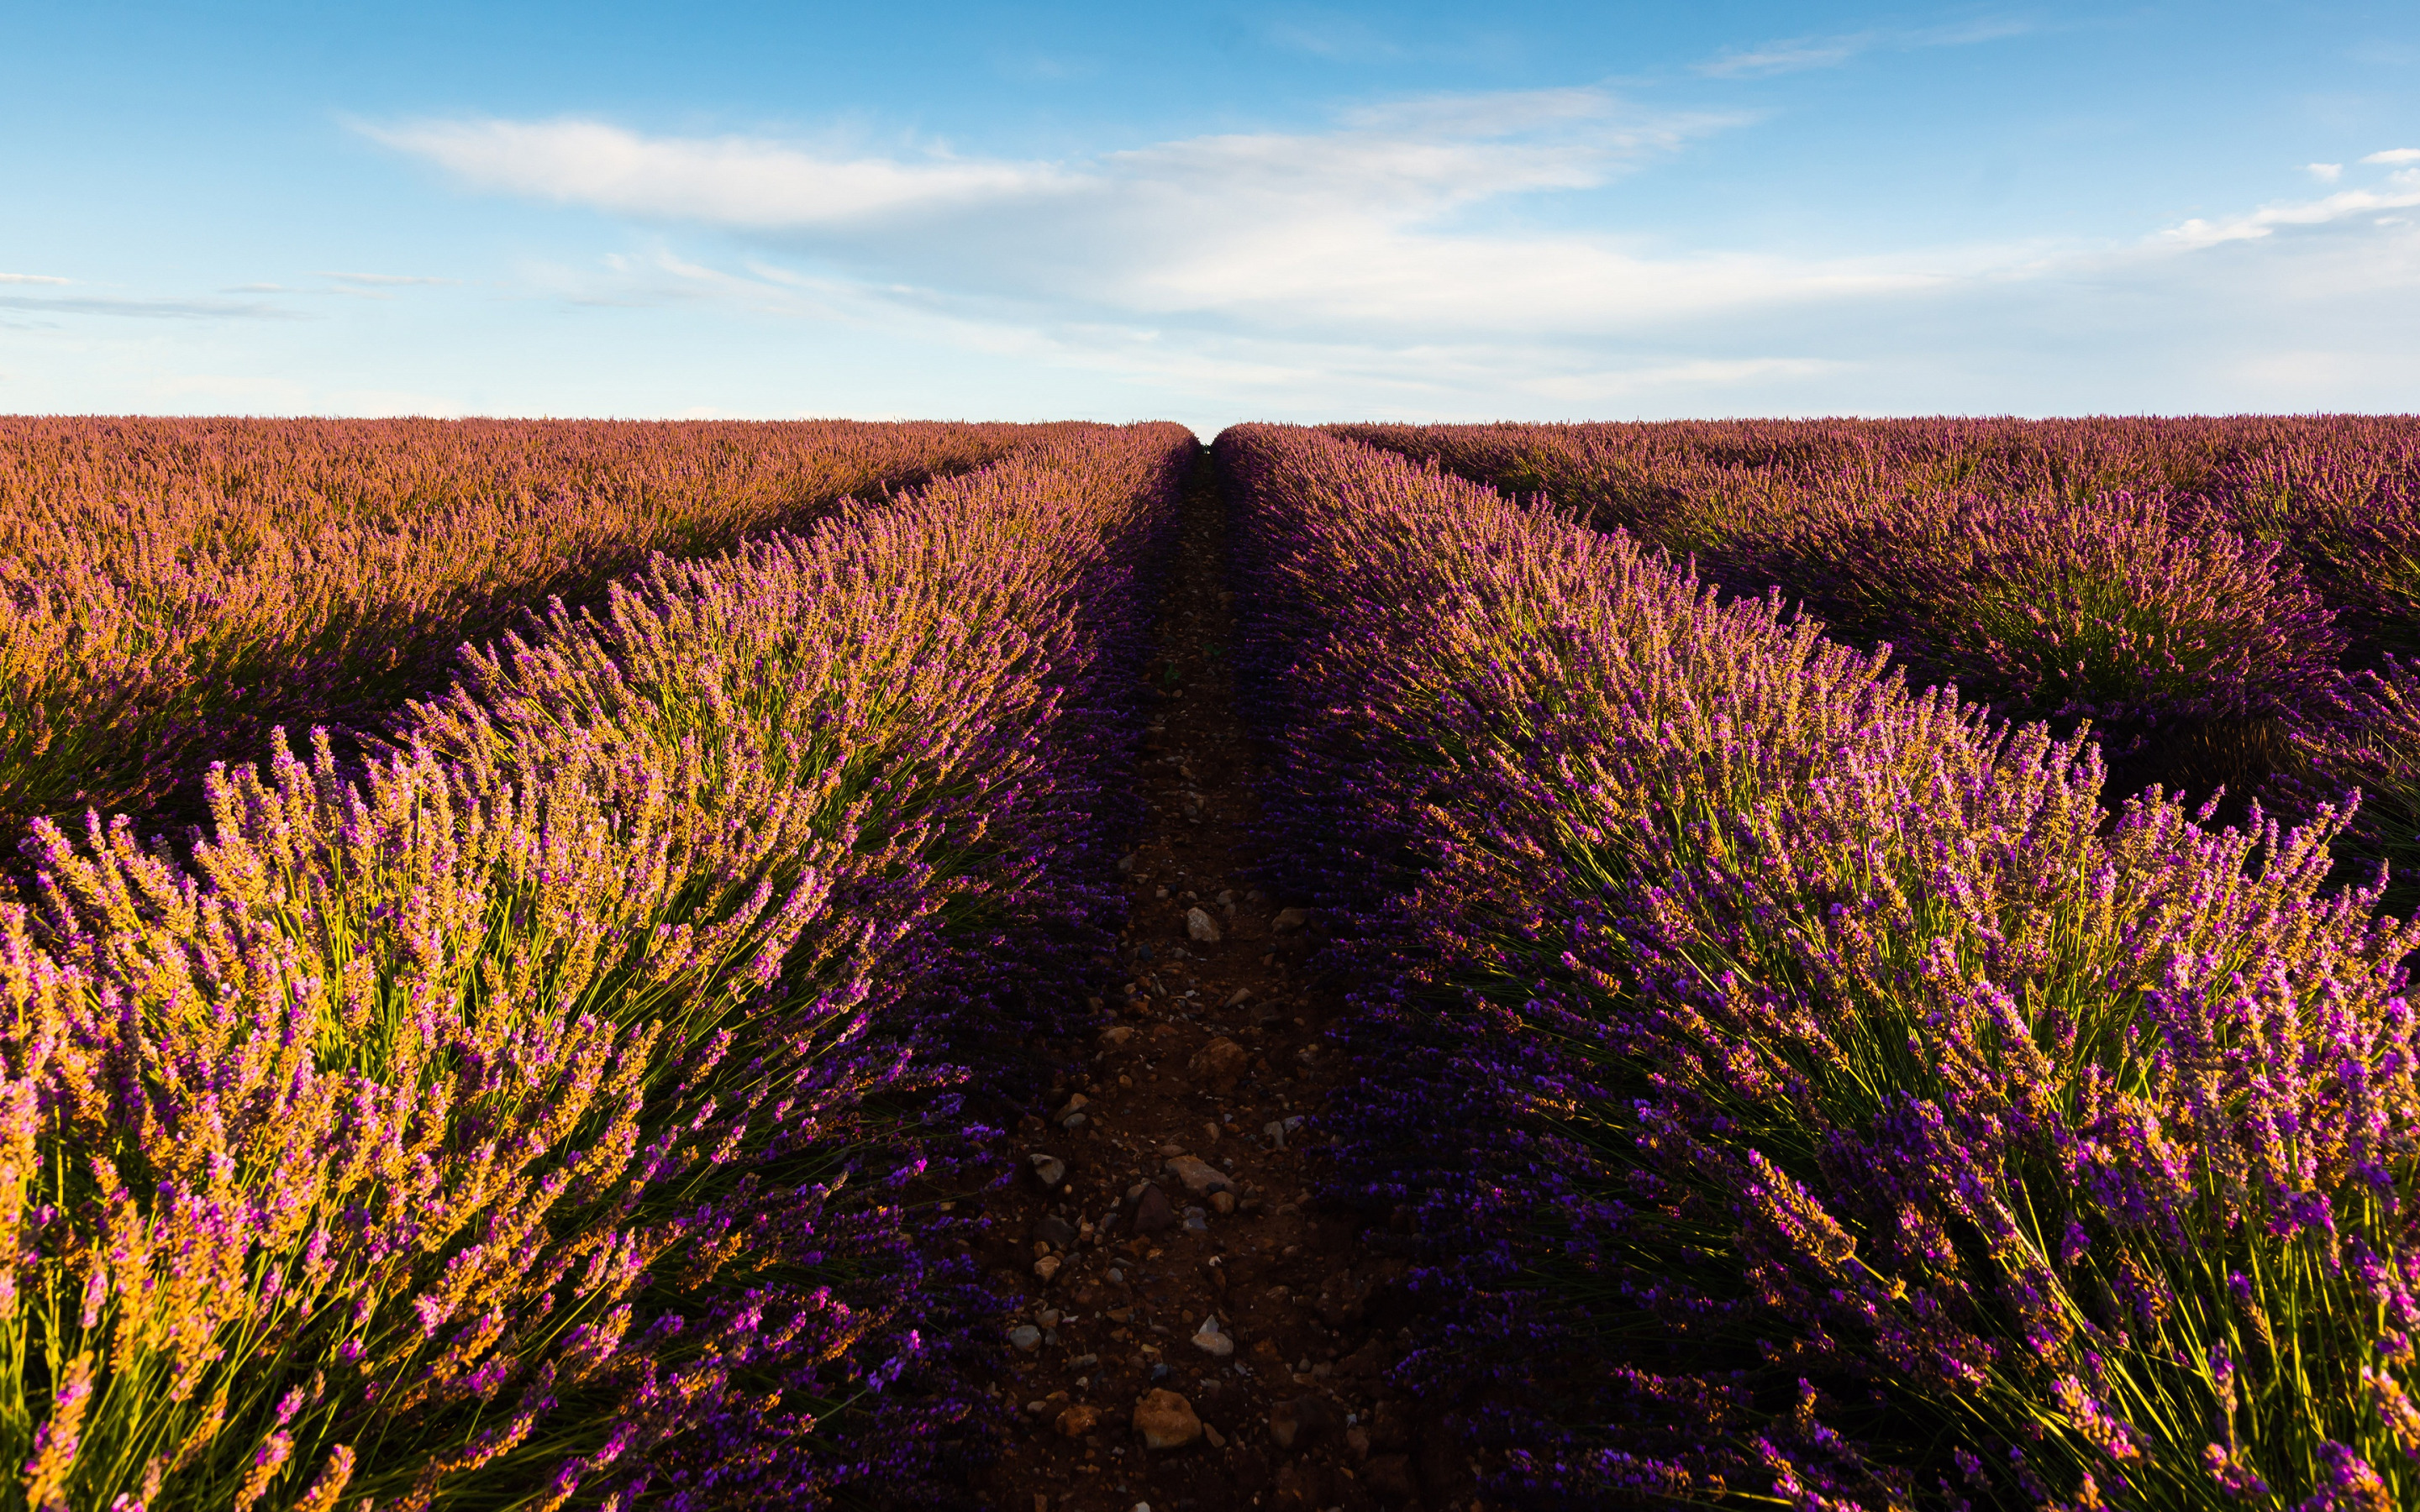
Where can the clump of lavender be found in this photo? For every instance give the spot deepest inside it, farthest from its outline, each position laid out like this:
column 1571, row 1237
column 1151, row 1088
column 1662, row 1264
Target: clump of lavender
column 2365, row 738
column 1819, row 1097
column 2351, row 517
column 497, row 1121
column 171, row 588
column 2102, row 608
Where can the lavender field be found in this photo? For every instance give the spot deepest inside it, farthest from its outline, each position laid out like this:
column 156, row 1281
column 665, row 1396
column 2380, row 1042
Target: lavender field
column 1838, row 964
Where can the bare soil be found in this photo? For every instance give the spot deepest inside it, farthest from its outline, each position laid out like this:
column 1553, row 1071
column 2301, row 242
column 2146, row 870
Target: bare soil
column 1210, row 1047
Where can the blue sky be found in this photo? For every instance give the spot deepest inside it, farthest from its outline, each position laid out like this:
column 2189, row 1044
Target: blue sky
column 1209, row 213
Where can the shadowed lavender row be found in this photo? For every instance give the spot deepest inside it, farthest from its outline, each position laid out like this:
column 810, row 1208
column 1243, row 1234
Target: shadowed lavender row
column 1797, row 1087
column 523, row 1117
column 171, row 588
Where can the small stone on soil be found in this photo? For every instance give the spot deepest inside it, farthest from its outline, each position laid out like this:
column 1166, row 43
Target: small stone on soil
column 1078, row 1420
column 1154, row 1212
column 1166, row 1421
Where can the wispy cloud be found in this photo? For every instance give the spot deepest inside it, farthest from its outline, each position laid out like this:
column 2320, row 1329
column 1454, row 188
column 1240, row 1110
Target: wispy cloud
column 2326, row 173
column 1389, row 257
column 2395, row 155
column 1342, row 39
column 730, row 180
column 383, row 280
column 31, row 278
column 1353, row 223
column 146, row 309
column 2402, row 191
column 1798, row 53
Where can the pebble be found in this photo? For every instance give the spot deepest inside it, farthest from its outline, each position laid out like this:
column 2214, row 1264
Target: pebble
column 1154, row 1212
column 1196, row 1222
column 1117, row 1034
column 1199, row 925
column 1055, row 1231
column 1210, row 1341
column 1210, row 1134
column 1046, row 1268
column 1026, row 1338
column 1240, row 996
column 1049, row 1170
column 1288, row 920
column 1302, row 1420
column 1166, row 1421
column 1199, row 1175
column 1221, row 1062
column 1078, row 1420
column 1217, row 1439
column 1222, row 1203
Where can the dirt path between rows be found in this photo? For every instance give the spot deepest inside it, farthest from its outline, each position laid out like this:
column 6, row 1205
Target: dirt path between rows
column 1195, row 1333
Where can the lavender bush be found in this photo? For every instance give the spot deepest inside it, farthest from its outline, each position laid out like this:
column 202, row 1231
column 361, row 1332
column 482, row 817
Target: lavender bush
column 2366, row 739
column 2103, row 608
column 171, row 588
column 517, row 1120
column 1815, row 1097
column 2351, row 517
column 2052, row 568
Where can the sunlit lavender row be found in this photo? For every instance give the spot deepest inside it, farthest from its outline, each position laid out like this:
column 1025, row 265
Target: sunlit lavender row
column 1798, row 1087
column 171, row 588
column 2233, row 602
column 522, row 1115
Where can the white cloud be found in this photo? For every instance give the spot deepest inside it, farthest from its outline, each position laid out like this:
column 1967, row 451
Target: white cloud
column 2326, row 173
column 731, row 181
column 30, row 278
column 1798, row 53
column 2395, row 155
column 1386, row 263
column 2404, row 190
column 1341, row 228
column 142, row 308
column 383, row 280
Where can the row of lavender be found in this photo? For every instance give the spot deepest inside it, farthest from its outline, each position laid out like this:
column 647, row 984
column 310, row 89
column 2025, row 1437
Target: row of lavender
column 1795, row 1085
column 172, row 589
column 523, row 1116
column 2227, row 598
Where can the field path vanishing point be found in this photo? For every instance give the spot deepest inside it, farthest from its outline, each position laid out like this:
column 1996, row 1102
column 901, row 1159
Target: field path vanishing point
column 1215, row 1045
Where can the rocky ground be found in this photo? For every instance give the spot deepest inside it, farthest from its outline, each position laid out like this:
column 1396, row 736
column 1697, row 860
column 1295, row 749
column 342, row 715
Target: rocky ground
column 1195, row 1332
